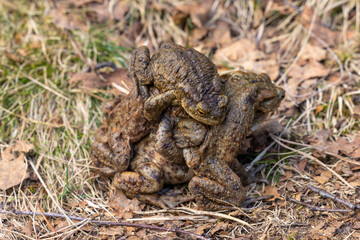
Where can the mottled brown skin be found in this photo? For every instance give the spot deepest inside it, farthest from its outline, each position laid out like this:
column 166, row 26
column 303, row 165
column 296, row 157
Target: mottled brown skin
column 125, row 124
column 219, row 176
column 185, row 78
column 150, row 169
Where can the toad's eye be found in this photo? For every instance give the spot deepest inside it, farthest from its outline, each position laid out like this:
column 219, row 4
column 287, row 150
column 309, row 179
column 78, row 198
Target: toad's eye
column 200, row 112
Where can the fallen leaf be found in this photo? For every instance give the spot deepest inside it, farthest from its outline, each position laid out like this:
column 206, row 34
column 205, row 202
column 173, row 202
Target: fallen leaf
column 120, row 9
column 301, row 164
column 219, row 226
column 67, row 21
column 330, row 37
column 324, row 177
column 118, row 79
column 123, row 205
column 113, row 231
column 80, row 3
column 199, row 12
column 243, row 53
column 312, row 52
column 60, row 225
column 221, row 36
column 14, row 57
column 272, row 190
column 28, row 229
column 13, row 169
column 88, row 80
column 310, row 70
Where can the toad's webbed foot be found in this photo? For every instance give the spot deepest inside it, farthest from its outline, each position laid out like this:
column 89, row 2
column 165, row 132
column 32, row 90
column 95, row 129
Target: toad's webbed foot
column 210, row 194
column 147, row 178
column 154, row 106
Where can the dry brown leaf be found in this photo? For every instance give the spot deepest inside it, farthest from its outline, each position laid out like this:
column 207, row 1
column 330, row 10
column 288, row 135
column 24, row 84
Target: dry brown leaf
column 324, row 177
column 13, row 169
column 237, row 50
column 219, row 226
column 80, row 3
column 199, row 12
column 88, row 80
column 351, row 149
column 120, row 9
column 272, row 190
column 67, row 21
column 60, row 224
column 123, row 205
column 93, row 80
column 113, row 231
column 310, row 70
column 301, row 164
column 28, row 229
column 319, row 29
column 312, row 52
column 243, row 53
column 13, row 57
column 222, row 36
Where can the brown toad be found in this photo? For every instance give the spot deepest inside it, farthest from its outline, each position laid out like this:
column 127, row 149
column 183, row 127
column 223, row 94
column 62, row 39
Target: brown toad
column 219, row 176
column 150, row 169
column 185, row 78
column 139, row 161
column 125, row 124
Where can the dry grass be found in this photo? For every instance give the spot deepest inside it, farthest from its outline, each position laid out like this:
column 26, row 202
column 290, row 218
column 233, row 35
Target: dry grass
column 38, row 105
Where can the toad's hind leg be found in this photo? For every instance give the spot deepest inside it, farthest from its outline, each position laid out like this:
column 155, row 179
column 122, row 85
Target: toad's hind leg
column 147, row 178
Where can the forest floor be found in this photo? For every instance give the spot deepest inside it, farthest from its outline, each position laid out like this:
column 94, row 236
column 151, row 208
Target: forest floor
column 51, row 107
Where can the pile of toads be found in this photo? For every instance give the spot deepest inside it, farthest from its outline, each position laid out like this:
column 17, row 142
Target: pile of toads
column 182, row 122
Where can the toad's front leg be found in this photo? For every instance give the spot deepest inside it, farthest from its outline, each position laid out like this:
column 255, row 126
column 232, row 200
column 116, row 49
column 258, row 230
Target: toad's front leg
column 154, row 106
column 210, row 194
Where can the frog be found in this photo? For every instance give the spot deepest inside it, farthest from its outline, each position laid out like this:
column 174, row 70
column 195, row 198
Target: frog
column 220, row 179
column 184, row 77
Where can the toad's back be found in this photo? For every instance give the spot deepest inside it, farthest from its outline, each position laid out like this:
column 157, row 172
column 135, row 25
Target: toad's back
column 184, row 69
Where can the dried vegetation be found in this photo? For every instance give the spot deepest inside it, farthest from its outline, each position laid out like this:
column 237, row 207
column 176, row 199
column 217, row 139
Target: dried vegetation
column 50, row 99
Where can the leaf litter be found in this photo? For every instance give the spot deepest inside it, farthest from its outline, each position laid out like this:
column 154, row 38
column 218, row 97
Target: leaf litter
column 321, row 108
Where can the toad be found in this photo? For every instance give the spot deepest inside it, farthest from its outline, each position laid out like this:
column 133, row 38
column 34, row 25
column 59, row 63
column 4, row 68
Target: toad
column 219, row 175
column 125, row 124
column 149, row 169
column 128, row 146
column 185, row 77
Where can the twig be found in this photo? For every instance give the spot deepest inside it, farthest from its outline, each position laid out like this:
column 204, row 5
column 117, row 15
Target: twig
column 336, row 199
column 255, row 199
column 312, row 158
column 196, row 212
column 314, row 208
column 46, row 220
column 105, row 223
column 216, row 214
